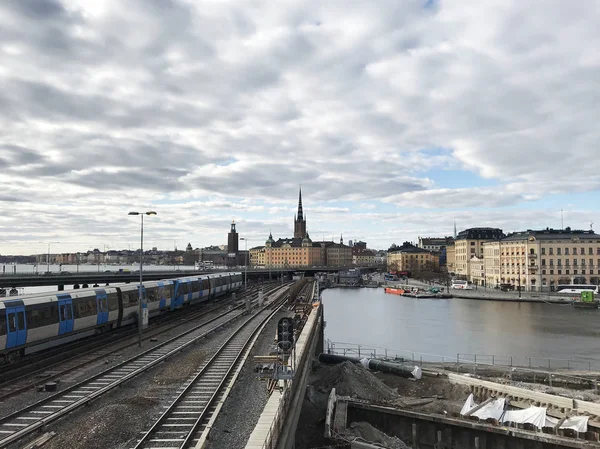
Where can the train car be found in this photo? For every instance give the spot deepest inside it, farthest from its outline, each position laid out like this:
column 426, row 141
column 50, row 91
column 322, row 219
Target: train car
column 48, row 319
column 236, row 280
column 158, row 295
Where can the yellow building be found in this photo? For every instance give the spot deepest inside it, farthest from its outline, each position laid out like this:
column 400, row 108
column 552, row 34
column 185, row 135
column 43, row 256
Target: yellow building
column 411, row 258
column 541, row 260
column 363, row 257
column 294, row 252
column 469, row 244
column 451, row 258
column 257, row 256
column 491, row 263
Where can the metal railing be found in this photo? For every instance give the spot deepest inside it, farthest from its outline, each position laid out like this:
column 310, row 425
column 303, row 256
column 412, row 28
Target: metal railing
column 547, row 370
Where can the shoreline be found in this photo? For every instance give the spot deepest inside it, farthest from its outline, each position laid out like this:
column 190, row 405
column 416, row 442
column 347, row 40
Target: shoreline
column 478, row 297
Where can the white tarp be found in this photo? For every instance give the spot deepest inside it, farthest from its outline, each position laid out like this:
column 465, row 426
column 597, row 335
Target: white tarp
column 493, row 409
column 417, row 373
column 531, row 415
column 577, row 423
column 469, row 404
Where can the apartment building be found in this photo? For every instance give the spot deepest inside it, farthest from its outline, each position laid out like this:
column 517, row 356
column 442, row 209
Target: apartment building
column 541, row 260
column 491, row 263
column 411, row 258
column 469, row 244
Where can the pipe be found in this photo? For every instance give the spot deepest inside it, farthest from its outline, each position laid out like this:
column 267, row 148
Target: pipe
column 374, row 364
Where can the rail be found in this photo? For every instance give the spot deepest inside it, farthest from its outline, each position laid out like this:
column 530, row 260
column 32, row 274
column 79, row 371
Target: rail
column 210, row 380
column 83, row 392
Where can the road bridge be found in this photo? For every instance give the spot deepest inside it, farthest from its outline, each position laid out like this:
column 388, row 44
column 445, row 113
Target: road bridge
column 107, row 278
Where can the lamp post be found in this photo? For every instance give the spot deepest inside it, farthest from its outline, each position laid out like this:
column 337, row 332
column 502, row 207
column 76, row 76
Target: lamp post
column 140, row 308
column 48, row 259
column 246, row 264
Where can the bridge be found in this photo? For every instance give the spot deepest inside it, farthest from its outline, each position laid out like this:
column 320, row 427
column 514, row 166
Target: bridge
column 93, row 278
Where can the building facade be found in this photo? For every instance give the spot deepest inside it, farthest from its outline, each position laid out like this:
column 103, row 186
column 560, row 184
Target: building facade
column 469, row 243
column 363, row 257
column 411, row 258
column 435, row 244
column 491, row 263
column 477, row 271
column 451, row 258
column 540, row 260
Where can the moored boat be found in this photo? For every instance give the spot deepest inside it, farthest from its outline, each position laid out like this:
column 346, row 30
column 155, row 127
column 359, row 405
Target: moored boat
column 394, row 291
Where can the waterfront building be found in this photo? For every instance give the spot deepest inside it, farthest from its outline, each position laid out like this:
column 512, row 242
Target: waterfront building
column 469, row 243
column 540, row 260
column 412, row 258
column 477, row 271
column 381, row 257
column 363, row 257
column 491, row 263
column 292, row 252
column 435, row 244
column 451, row 258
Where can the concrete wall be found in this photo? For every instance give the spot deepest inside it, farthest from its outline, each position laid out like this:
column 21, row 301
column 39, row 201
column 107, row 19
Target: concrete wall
column 424, row 431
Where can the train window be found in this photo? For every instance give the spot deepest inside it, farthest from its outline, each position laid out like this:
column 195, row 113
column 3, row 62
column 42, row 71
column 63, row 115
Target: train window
column 12, row 322
column 195, row 286
column 168, row 291
column 205, row 284
column 113, row 301
column 3, row 324
column 21, row 319
column 152, row 294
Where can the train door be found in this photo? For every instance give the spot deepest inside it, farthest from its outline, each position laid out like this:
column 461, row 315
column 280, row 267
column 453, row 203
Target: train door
column 16, row 327
column 162, row 300
column 65, row 314
column 102, row 307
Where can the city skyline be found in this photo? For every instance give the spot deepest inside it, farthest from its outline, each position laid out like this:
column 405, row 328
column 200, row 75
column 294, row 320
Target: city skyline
column 398, row 120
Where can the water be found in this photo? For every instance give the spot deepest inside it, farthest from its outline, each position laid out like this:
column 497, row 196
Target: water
column 28, row 269
column 9, row 269
column 436, row 328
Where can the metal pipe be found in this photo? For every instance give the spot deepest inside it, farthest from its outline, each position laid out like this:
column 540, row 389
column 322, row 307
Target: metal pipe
column 374, row 364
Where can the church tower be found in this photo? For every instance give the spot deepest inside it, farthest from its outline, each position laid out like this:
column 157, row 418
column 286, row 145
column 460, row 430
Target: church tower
column 299, row 220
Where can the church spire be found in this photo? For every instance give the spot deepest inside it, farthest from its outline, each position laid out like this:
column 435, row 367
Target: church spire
column 300, row 215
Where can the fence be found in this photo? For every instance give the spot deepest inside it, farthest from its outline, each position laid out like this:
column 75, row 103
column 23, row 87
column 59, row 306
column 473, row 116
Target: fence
column 536, row 369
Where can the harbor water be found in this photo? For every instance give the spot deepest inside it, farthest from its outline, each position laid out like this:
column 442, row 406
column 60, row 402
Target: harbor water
column 536, row 334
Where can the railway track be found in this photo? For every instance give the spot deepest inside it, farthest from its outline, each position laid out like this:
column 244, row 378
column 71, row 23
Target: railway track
column 185, row 421
column 25, row 378
column 28, row 420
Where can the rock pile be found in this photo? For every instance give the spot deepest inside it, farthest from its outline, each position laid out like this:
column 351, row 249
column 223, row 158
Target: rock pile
column 356, row 382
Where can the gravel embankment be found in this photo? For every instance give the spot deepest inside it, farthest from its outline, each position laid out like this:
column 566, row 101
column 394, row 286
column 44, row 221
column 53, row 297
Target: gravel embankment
column 19, row 401
column 247, row 399
column 115, row 420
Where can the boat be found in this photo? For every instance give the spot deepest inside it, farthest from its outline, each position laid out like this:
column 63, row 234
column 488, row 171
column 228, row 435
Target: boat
column 394, row 291
column 586, row 301
column 579, row 304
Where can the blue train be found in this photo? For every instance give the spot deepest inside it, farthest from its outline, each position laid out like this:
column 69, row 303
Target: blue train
column 42, row 319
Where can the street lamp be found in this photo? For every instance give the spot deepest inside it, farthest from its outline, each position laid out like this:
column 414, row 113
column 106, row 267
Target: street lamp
column 246, row 265
column 48, row 260
column 140, row 309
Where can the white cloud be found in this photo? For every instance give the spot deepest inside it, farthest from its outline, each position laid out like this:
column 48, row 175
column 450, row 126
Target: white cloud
column 194, row 107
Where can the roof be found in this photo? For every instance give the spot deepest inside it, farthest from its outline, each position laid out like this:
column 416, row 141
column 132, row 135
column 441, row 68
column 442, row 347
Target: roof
column 480, row 234
column 552, row 234
column 408, row 248
column 295, row 242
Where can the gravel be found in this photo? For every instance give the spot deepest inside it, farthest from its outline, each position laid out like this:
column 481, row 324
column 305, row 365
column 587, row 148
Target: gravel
column 247, row 399
column 118, row 418
column 19, row 401
column 356, row 382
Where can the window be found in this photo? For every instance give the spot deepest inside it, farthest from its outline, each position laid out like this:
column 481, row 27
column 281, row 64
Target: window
column 566, row 271
column 543, row 262
column 543, row 251
column 559, row 263
column 558, row 251
column 583, row 262
column 582, row 271
column 551, row 271
column 567, row 262
column 582, row 251
column 559, row 271
column 574, row 262
column 551, row 262
column 574, row 271
column 590, row 251
column 551, row 251
column 574, row 251
column 566, row 251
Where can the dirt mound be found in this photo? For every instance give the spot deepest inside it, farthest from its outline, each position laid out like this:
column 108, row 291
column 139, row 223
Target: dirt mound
column 370, row 434
column 356, row 382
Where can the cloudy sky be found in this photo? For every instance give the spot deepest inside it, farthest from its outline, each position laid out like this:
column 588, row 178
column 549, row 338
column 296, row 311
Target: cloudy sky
column 397, row 117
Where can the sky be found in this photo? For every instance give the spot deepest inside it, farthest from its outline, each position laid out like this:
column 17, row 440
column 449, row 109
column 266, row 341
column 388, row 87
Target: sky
column 398, row 119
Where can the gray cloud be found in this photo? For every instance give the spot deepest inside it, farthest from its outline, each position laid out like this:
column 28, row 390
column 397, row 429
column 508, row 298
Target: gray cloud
column 174, row 103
